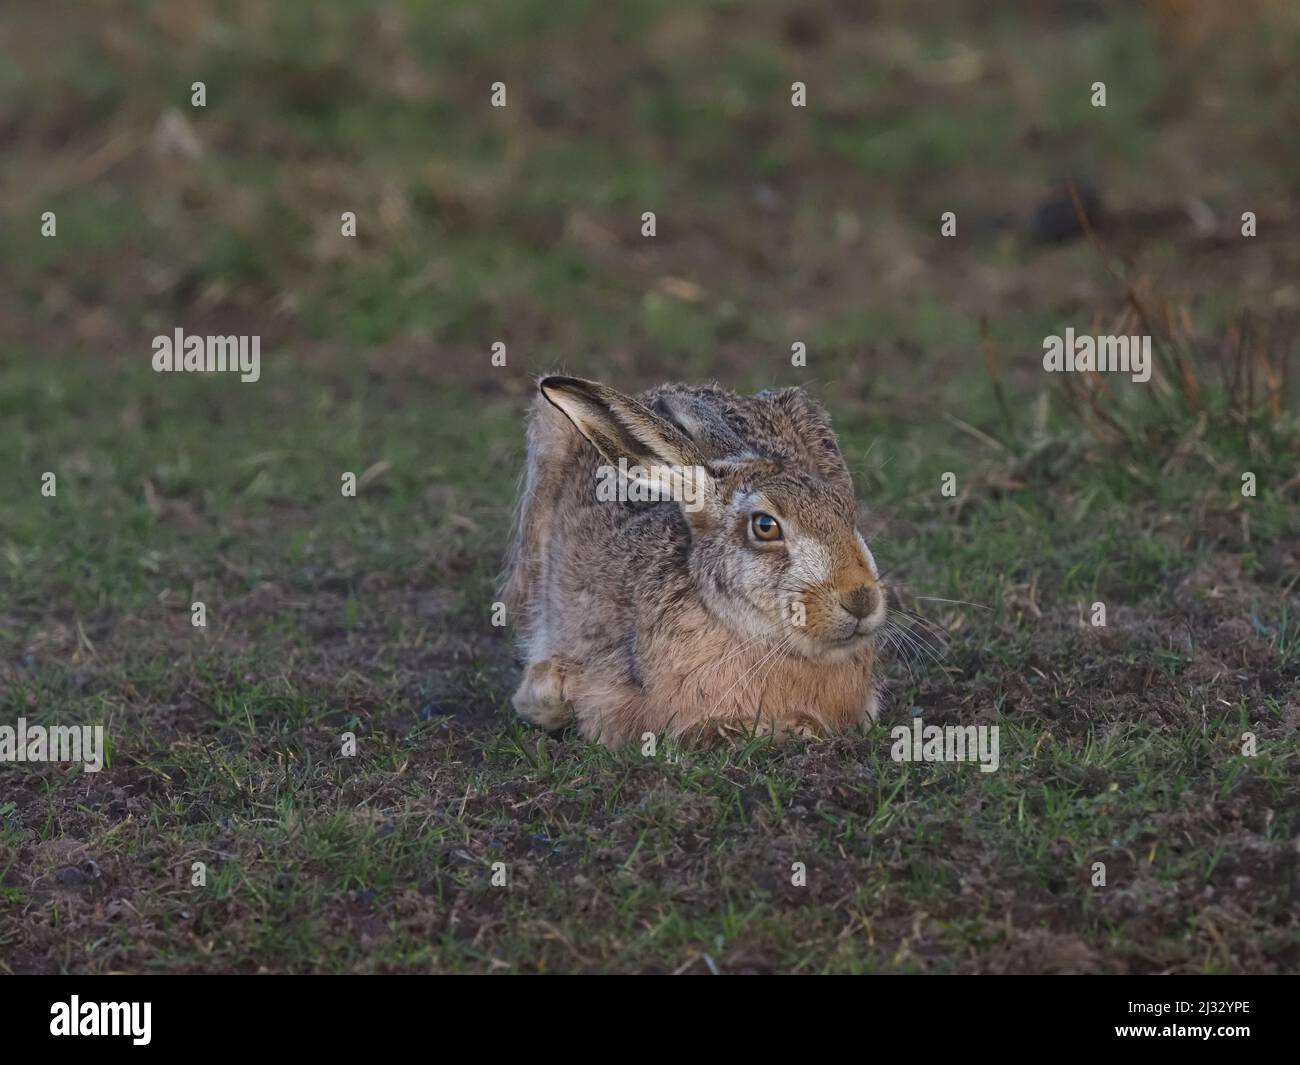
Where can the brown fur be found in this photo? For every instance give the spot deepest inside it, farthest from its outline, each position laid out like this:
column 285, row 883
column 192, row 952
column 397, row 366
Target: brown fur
column 638, row 617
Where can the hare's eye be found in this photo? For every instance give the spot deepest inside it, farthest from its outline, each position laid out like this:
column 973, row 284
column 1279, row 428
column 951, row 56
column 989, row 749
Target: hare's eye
column 765, row 527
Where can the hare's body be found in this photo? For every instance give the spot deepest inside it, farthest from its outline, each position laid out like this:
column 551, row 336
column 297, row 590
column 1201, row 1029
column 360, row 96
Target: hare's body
column 628, row 613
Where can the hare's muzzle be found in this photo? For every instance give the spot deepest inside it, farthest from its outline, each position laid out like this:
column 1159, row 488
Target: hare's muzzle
column 866, row 604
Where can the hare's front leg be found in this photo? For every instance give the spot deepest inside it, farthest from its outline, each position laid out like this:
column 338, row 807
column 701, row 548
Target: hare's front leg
column 542, row 698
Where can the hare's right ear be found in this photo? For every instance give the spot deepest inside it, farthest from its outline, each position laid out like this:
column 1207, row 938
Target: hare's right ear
column 620, row 427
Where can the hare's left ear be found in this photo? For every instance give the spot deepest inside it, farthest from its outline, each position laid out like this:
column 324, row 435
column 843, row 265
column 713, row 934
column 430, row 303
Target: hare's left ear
column 618, row 425
column 656, row 452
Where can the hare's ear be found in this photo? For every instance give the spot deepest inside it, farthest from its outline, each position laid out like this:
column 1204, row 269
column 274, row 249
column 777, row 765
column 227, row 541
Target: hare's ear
column 619, row 427
column 812, row 428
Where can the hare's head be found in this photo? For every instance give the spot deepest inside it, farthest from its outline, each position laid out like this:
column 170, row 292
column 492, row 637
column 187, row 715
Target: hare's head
column 760, row 481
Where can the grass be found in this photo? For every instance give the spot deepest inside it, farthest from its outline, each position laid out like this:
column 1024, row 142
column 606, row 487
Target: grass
column 372, row 615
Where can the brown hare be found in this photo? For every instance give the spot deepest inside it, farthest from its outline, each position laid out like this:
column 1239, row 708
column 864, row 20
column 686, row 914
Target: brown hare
column 687, row 562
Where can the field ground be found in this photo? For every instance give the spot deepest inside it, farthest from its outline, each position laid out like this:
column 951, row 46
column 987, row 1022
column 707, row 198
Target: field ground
column 325, row 614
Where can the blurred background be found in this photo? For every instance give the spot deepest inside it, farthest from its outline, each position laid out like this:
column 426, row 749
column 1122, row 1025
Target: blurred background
column 775, row 225
column 522, row 224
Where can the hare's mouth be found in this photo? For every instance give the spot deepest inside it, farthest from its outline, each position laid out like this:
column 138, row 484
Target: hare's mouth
column 869, row 625
column 856, row 638
column 861, row 632
column 843, row 646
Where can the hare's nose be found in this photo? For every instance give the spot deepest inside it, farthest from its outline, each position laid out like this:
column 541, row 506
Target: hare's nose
column 861, row 602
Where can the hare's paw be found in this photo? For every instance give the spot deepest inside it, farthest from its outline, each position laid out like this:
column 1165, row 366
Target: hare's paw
column 541, row 699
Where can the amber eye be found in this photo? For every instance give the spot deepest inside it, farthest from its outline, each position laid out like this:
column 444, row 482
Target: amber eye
column 765, row 527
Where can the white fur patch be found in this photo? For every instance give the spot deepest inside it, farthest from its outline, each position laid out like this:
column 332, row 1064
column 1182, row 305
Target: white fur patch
column 810, row 562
